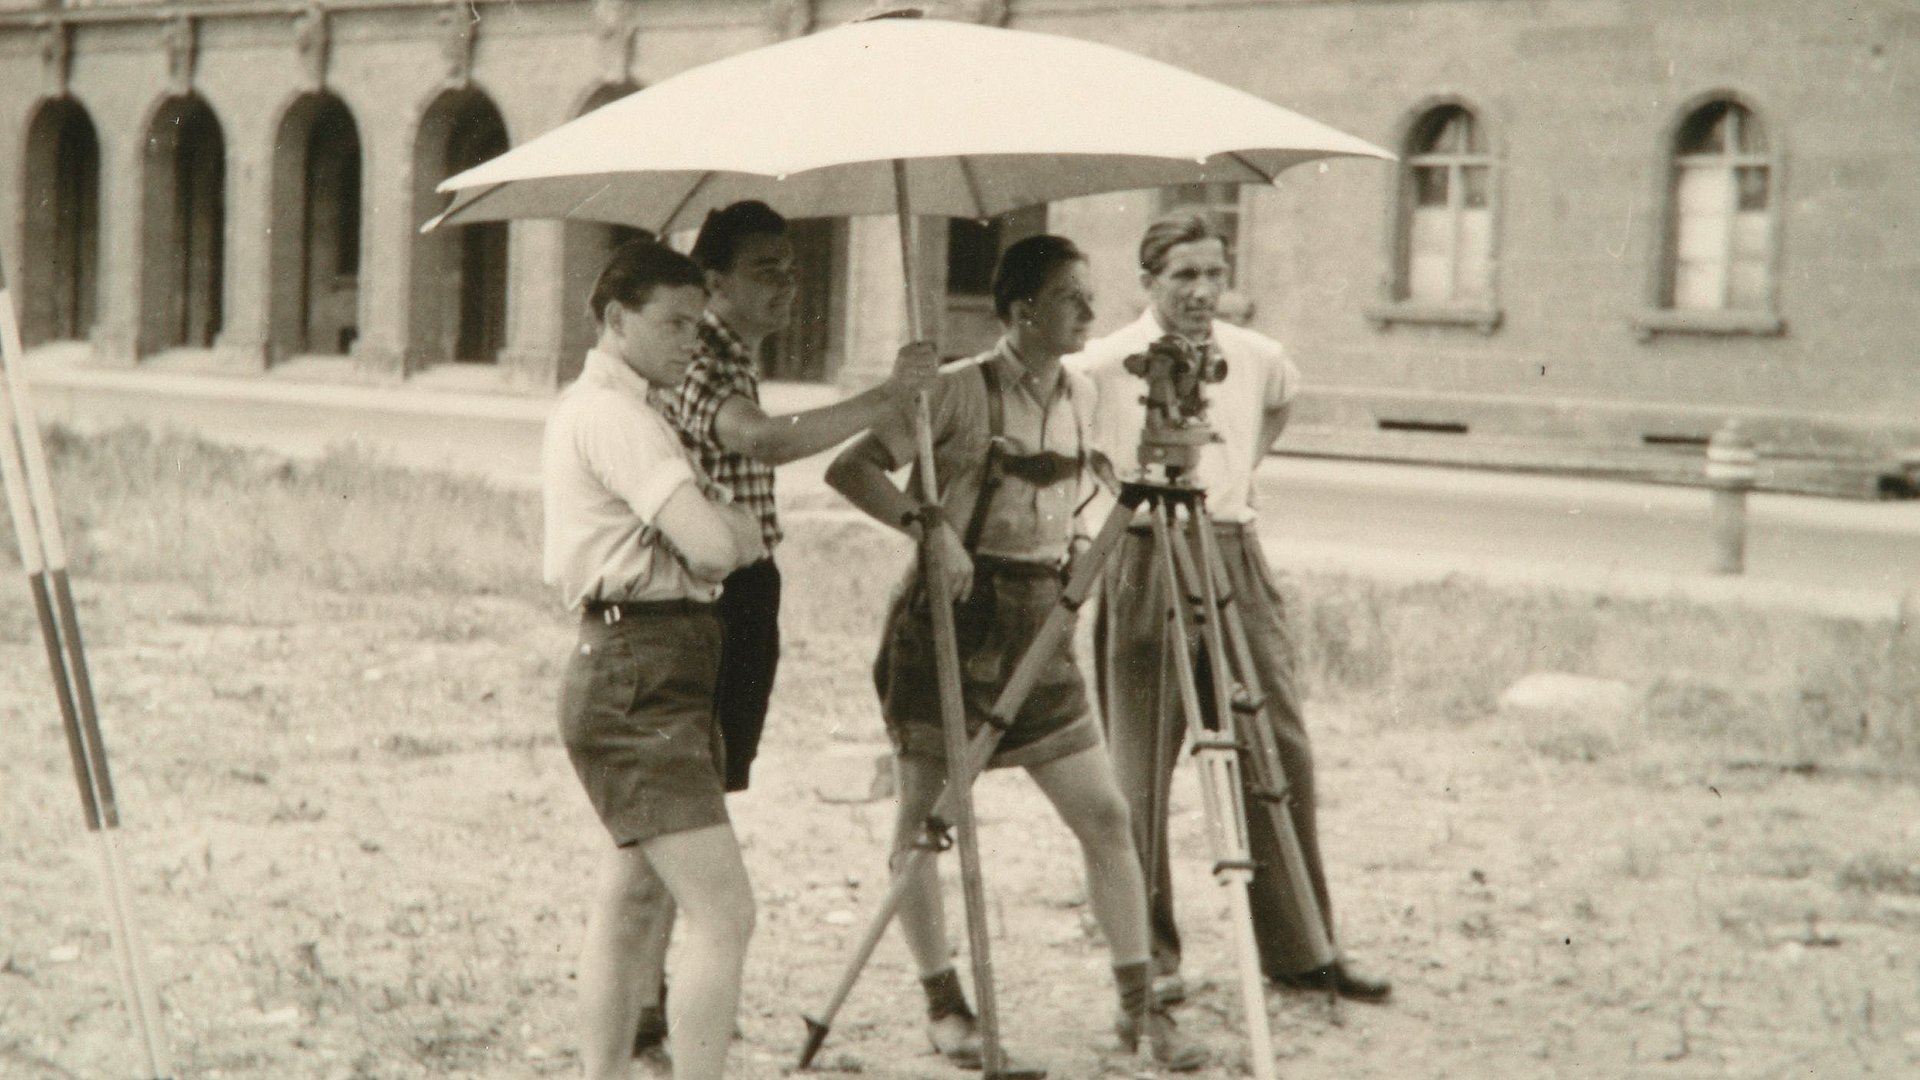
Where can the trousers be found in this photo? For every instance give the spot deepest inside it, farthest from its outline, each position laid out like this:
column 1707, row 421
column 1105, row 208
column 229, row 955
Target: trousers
column 749, row 611
column 1136, row 689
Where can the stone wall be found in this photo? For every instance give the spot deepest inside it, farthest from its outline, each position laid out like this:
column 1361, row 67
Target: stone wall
column 1579, row 100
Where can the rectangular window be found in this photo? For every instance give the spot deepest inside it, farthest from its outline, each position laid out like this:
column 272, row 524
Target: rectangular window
column 972, row 248
column 1704, row 200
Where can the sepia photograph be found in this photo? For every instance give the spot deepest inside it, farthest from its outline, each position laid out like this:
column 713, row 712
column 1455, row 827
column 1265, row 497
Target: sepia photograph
column 1232, row 539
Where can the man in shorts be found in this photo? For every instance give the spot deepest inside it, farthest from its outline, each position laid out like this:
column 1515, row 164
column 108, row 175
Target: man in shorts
column 748, row 262
column 1009, row 434
column 638, row 543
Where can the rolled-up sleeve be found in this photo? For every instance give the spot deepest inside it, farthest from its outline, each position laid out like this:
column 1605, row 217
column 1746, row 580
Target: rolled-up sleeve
column 895, row 434
column 1283, row 378
column 638, row 462
column 697, row 402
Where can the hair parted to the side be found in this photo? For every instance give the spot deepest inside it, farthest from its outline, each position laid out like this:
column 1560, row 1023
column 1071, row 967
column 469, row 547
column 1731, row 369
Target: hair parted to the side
column 634, row 270
column 1025, row 267
column 721, row 234
column 1183, row 225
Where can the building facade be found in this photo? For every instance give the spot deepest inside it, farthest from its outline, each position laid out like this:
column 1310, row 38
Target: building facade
column 1612, row 221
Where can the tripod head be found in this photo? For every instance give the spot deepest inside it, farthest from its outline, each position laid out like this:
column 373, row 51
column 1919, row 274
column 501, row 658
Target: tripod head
column 1175, row 370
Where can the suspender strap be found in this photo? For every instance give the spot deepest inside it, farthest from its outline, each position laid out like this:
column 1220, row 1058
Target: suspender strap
column 990, row 473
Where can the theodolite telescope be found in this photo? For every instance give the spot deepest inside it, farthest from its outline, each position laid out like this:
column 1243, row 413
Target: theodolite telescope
column 1175, row 370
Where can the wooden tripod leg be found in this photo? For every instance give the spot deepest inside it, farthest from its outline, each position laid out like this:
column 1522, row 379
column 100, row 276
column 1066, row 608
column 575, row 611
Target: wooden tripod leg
column 1234, row 671
column 1219, row 767
column 1032, row 662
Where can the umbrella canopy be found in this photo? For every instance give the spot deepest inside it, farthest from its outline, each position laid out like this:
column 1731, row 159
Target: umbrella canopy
column 986, row 120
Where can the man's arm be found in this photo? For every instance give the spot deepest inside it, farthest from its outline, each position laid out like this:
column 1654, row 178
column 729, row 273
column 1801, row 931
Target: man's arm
column 743, row 428
column 710, row 544
column 860, row 474
column 1271, row 425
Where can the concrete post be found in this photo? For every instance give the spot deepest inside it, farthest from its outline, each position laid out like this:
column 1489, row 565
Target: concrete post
column 1732, row 467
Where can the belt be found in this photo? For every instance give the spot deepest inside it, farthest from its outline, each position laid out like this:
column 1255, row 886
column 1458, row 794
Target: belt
column 1014, row 568
column 613, row 611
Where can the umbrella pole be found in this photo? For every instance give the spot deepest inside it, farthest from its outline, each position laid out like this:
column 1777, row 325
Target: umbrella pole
column 953, row 717
column 36, row 528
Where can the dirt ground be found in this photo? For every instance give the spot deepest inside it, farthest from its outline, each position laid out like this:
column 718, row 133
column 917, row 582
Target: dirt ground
column 356, row 850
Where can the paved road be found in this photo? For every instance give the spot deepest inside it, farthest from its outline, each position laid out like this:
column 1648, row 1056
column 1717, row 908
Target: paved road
column 1585, row 525
column 1420, row 521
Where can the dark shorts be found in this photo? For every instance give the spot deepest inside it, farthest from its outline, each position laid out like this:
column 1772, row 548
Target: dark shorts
column 995, row 625
column 636, row 717
column 749, row 610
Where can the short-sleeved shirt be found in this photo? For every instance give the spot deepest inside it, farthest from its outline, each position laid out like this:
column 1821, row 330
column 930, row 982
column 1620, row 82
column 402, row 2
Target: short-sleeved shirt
column 1260, row 378
column 721, row 371
column 609, row 462
column 1025, row 521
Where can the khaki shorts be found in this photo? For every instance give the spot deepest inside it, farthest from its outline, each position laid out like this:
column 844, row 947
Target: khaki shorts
column 636, row 717
column 995, row 625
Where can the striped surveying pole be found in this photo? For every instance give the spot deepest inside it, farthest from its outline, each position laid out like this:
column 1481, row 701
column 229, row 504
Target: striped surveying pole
column 36, row 526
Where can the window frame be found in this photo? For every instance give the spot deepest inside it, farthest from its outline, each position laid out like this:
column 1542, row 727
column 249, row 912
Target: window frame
column 1396, row 304
column 1659, row 315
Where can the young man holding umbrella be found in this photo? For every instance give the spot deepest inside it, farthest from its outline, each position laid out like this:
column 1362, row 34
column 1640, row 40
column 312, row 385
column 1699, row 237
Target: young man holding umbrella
column 1008, row 430
column 748, row 266
column 638, row 542
column 1183, row 268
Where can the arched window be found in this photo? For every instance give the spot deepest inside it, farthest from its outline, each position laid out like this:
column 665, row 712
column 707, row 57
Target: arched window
column 1720, row 249
column 314, row 244
column 1443, row 240
column 61, row 224
column 1715, row 262
column 458, row 295
column 183, row 228
column 1449, row 211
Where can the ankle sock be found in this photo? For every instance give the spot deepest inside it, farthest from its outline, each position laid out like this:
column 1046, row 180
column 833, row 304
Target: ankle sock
column 1134, row 982
column 945, row 996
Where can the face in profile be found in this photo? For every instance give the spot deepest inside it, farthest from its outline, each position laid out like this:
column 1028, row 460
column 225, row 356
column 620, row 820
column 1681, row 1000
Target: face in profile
column 1058, row 317
column 658, row 339
column 757, row 294
column 1186, row 290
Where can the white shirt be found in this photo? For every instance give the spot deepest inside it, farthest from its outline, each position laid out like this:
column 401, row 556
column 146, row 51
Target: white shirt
column 1259, row 379
column 1024, row 522
column 608, row 463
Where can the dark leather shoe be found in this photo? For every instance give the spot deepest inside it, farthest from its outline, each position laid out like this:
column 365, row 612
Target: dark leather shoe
column 1171, row 1051
column 1169, row 989
column 956, row 1037
column 1339, row 978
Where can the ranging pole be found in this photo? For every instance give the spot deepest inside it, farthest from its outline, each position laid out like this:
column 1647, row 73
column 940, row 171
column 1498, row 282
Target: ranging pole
column 953, row 711
column 36, row 527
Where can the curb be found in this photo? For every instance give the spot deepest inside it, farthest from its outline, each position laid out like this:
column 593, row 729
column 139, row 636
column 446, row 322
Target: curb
column 1396, row 567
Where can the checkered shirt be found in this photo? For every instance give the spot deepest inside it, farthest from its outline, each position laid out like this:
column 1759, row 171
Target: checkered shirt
column 723, row 369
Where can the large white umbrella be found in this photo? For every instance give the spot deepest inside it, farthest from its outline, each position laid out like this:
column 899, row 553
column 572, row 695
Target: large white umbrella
column 906, row 116
column 985, row 120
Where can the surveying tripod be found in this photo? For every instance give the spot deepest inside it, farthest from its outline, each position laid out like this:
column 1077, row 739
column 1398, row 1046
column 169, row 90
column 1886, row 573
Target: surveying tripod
column 1230, row 732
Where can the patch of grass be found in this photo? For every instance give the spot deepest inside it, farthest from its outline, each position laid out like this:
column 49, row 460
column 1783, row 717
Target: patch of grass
column 143, row 506
column 234, row 524
column 1782, row 685
column 1882, row 872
